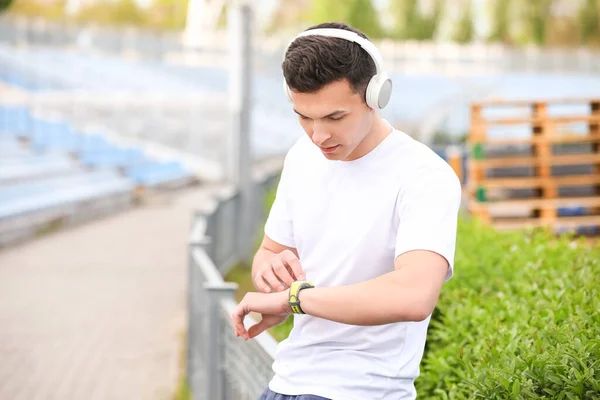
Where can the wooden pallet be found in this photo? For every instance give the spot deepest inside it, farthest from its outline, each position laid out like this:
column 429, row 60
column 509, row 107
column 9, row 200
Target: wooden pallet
column 493, row 192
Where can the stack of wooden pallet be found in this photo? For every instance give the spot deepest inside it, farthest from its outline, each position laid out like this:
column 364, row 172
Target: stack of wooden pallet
column 536, row 163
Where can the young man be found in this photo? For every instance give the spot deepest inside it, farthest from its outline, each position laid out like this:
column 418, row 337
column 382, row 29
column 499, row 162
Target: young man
column 360, row 238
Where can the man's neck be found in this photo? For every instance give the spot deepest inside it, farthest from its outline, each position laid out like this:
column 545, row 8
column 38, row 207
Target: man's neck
column 379, row 131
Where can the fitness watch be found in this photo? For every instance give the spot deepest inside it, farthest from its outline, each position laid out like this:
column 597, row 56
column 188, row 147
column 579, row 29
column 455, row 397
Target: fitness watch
column 293, row 299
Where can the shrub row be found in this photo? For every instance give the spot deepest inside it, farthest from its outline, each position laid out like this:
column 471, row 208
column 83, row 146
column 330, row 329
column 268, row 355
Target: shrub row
column 519, row 320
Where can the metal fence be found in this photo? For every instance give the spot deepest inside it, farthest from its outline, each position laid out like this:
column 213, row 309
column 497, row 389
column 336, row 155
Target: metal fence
column 220, row 365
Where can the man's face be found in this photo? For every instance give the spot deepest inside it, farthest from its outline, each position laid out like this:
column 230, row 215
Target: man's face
column 335, row 118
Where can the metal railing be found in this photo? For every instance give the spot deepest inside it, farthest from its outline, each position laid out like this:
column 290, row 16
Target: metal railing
column 220, row 365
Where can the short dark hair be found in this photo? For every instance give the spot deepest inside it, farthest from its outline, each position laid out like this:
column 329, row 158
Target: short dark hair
column 312, row 62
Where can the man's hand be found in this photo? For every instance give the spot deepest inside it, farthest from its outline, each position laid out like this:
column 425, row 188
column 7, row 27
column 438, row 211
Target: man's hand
column 278, row 272
column 273, row 307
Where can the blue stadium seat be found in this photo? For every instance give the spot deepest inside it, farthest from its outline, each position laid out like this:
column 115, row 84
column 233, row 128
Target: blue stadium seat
column 14, row 121
column 114, row 157
column 153, row 174
column 21, row 199
column 14, row 191
column 33, row 168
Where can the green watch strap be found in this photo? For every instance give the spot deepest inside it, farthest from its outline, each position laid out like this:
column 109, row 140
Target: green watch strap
column 293, row 299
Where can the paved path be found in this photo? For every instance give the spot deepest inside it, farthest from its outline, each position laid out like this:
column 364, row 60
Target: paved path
column 98, row 311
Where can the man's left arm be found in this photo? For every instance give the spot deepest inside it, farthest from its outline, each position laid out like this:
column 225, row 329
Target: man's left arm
column 425, row 246
column 409, row 293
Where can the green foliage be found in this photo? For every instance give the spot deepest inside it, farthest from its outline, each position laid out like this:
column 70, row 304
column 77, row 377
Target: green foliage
column 513, row 21
column 589, row 22
column 4, row 4
column 51, row 9
column 537, row 16
column 501, row 21
column 519, row 320
column 363, row 16
column 241, row 274
column 119, row 13
column 183, row 390
column 411, row 23
column 326, row 10
column 358, row 13
column 167, row 14
column 161, row 14
column 465, row 29
column 290, row 15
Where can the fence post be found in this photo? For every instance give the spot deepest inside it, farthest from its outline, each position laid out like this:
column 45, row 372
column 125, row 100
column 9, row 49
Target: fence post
column 213, row 346
column 239, row 168
column 194, row 329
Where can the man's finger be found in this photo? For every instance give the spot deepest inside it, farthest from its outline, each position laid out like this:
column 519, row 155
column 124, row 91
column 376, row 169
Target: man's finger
column 268, row 321
column 281, row 271
column 238, row 322
column 292, row 261
column 258, row 328
column 270, row 277
column 262, row 285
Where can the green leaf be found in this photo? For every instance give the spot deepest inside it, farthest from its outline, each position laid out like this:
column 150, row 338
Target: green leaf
column 516, row 388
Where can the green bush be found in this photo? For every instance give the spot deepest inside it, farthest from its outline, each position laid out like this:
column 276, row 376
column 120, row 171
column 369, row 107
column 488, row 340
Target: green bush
column 519, row 320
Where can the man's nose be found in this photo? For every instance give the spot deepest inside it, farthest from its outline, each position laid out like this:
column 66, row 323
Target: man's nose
column 319, row 135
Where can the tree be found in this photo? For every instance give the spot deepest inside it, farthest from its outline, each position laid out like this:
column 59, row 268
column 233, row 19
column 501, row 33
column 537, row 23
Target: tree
column 363, row 16
column 327, row 10
column 465, row 30
column 167, row 14
column 589, row 22
column 501, row 21
column 358, row 13
column 50, row 9
column 4, row 4
column 411, row 23
column 289, row 14
column 538, row 15
column 122, row 12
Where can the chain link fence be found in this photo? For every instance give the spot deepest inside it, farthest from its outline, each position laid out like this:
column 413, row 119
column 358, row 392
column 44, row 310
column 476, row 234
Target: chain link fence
column 219, row 365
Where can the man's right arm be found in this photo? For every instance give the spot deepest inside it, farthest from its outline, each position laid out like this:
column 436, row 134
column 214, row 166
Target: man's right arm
column 275, row 267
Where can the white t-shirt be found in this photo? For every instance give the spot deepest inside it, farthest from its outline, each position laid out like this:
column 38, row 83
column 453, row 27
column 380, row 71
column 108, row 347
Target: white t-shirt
column 349, row 221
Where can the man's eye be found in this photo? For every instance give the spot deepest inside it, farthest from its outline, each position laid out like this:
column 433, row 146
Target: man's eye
column 336, row 119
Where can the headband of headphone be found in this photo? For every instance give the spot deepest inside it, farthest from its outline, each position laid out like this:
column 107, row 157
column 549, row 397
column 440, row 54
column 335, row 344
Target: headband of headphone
column 379, row 89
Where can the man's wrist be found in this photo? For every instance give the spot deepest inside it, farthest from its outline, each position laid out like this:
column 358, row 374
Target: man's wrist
column 294, row 295
column 285, row 299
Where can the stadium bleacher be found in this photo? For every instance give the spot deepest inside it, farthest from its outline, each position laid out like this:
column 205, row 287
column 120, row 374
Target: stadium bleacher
column 52, row 175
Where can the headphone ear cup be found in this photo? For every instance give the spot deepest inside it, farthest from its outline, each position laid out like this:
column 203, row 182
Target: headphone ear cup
column 286, row 91
column 371, row 95
column 379, row 91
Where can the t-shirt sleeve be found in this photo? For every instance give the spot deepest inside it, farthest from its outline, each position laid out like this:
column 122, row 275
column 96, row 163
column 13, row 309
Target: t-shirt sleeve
column 428, row 214
column 279, row 225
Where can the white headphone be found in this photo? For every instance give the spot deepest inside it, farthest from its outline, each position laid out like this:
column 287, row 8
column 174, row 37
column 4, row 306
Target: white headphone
column 379, row 89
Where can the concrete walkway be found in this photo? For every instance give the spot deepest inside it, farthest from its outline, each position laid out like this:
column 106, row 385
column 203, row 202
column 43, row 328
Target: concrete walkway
column 98, row 311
